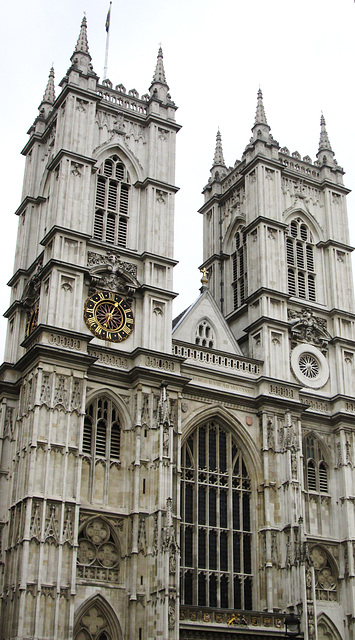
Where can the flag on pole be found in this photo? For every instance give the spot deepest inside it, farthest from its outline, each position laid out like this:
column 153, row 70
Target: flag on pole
column 107, row 24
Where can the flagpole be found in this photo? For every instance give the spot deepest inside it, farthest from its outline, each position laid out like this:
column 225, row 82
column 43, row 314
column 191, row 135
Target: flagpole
column 107, row 40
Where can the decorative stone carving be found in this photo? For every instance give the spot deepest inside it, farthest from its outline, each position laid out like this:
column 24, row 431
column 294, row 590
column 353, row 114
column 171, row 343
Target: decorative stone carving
column 142, row 537
column 9, row 423
column 61, row 393
column 171, row 614
column 68, row 526
column 45, row 397
column 76, row 396
column 306, row 327
column 32, row 287
column 112, row 274
column 51, row 533
column 35, row 527
column 169, row 538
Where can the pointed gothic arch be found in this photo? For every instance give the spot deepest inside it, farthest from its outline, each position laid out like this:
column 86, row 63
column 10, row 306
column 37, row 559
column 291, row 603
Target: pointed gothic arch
column 307, row 218
column 327, row 629
column 127, row 157
column 205, row 334
column 232, row 424
column 99, row 550
column 95, row 619
column 317, row 463
column 125, row 418
column 326, row 573
column 218, row 524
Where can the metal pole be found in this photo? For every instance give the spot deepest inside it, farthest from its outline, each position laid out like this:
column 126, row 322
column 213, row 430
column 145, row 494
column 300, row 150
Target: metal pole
column 107, row 43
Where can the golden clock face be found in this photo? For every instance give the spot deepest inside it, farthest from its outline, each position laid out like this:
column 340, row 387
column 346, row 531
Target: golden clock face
column 108, row 316
column 32, row 320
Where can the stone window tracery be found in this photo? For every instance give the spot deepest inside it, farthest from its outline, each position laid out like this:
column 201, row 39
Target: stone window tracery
column 98, row 552
column 239, row 262
column 96, row 622
column 316, row 469
column 102, row 431
column 111, row 202
column 216, row 538
column 204, row 335
column 301, row 277
column 326, row 578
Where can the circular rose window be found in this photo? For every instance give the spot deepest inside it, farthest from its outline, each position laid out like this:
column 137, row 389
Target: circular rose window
column 309, row 366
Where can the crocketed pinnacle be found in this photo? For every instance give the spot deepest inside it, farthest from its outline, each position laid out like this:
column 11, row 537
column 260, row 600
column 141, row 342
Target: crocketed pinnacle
column 260, row 117
column 49, row 94
column 324, row 144
column 218, row 158
column 82, row 45
column 159, row 73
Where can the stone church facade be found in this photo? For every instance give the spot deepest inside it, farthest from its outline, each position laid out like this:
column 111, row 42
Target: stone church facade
column 187, row 483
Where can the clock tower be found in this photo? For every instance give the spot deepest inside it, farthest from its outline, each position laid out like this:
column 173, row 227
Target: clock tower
column 89, row 385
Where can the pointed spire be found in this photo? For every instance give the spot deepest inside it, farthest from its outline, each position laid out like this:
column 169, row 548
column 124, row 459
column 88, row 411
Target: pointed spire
column 218, row 169
column 81, row 58
column 325, row 155
column 218, row 154
column 324, row 144
column 82, row 46
column 49, row 94
column 159, row 73
column 260, row 117
column 159, row 87
column 261, row 130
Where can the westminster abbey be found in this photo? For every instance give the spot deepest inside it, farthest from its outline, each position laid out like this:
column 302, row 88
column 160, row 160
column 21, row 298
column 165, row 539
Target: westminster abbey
column 188, row 478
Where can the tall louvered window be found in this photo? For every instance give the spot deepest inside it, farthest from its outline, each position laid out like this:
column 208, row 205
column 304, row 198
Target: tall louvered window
column 239, row 266
column 102, row 432
column 300, row 261
column 316, row 469
column 216, row 539
column 111, row 203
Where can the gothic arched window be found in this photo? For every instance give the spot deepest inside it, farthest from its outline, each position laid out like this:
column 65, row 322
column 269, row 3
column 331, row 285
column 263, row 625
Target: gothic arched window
column 204, row 335
column 102, row 431
column 325, row 573
column 111, row 202
column 216, row 539
column 301, row 280
column 239, row 278
column 98, row 552
column 96, row 620
column 316, row 469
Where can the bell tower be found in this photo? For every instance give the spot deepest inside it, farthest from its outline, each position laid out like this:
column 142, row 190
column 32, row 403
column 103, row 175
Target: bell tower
column 89, row 387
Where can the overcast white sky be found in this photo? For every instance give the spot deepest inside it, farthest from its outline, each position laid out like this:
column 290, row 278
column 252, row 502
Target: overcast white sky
column 216, row 54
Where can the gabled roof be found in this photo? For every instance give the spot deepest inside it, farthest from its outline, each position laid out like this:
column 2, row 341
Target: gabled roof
column 205, row 309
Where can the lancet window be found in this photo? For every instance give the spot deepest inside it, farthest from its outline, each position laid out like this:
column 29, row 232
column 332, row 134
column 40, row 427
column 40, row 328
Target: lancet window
column 204, row 335
column 316, row 471
column 301, row 276
column 239, row 261
column 216, row 538
column 102, row 431
column 111, row 202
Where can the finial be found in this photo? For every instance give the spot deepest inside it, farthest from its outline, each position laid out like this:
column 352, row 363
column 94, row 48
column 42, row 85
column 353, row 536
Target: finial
column 82, row 45
column 204, row 279
column 218, row 158
column 260, row 117
column 49, row 94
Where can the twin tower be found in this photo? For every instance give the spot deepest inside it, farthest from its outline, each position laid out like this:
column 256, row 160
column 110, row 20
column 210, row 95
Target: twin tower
column 175, row 479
